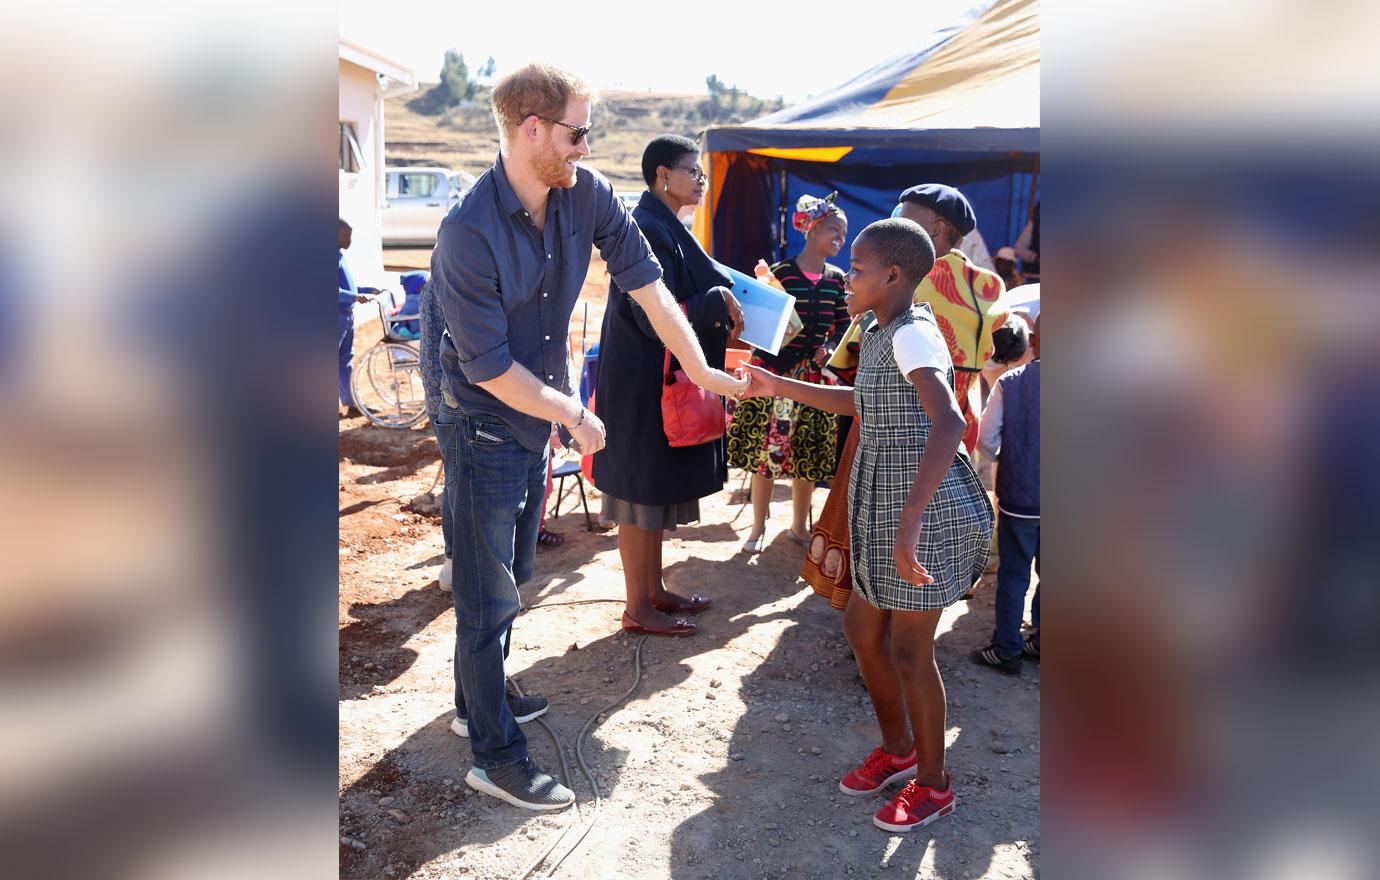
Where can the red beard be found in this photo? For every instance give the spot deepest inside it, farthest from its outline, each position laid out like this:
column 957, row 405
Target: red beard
column 552, row 172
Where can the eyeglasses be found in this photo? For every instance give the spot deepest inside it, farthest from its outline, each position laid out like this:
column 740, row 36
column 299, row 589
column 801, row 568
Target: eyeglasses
column 581, row 131
column 696, row 173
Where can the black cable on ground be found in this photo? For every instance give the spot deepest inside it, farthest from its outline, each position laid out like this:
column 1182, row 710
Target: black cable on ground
column 579, row 756
column 565, row 780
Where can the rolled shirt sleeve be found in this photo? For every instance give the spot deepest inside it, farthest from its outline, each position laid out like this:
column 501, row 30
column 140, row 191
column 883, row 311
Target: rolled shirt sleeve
column 465, row 276
column 621, row 243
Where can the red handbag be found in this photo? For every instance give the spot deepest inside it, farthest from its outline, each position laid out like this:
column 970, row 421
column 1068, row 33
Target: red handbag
column 587, row 460
column 690, row 415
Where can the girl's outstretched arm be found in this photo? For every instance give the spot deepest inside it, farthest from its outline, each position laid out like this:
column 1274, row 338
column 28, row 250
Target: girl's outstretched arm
column 828, row 398
column 946, row 432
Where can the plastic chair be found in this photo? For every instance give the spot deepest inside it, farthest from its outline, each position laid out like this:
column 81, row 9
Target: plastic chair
column 559, row 473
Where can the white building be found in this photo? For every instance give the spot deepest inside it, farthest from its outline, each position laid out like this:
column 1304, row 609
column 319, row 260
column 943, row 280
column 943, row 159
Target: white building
column 366, row 80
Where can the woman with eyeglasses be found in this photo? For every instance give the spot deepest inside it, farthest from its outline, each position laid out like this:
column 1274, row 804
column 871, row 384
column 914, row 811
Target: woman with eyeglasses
column 773, row 438
column 648, row 485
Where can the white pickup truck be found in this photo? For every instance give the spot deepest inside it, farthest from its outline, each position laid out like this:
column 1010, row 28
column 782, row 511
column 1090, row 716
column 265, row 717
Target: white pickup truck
column 416, row 200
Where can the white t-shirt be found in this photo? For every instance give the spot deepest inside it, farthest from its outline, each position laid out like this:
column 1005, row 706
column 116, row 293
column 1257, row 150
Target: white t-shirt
column 919, row 345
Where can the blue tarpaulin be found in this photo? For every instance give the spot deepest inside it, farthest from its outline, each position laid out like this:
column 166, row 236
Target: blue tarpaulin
column 963, row 110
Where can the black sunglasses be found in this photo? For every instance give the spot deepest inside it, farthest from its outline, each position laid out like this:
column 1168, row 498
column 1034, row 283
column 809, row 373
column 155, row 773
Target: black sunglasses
column 581, row 131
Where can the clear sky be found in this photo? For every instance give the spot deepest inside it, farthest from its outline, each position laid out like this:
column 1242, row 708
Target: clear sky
column 790, row 49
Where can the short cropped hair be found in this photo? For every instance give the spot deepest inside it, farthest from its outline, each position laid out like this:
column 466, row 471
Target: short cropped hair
column 665, row 149
column 539, row 89
column 1010, row 341
column 902, row 243
column 344, row 225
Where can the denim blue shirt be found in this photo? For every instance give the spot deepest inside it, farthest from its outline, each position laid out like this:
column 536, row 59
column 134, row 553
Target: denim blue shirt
column 507, row 290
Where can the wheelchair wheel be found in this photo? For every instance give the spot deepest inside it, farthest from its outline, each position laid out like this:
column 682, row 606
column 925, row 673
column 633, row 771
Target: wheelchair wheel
column 387, row 385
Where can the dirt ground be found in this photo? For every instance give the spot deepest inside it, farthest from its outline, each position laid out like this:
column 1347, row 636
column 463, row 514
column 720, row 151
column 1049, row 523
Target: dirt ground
column 699, row 777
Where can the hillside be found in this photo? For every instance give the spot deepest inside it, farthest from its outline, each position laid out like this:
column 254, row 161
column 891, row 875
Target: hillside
column 465, row 138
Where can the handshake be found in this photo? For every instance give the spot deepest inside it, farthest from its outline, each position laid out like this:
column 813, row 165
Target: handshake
column 760, row 382
column 586, row 433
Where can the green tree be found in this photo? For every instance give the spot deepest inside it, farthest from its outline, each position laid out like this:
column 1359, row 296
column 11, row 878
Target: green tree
column 716, row 91
column 456, row 86
column 455, row 79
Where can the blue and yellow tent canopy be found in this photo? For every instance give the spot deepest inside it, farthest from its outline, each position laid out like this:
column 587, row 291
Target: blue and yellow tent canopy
column 963, row 110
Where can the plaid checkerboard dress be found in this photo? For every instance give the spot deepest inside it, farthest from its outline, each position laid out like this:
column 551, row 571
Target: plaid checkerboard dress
column 956, row 531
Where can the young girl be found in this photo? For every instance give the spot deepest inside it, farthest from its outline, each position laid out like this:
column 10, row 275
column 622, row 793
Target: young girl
column 919, row 521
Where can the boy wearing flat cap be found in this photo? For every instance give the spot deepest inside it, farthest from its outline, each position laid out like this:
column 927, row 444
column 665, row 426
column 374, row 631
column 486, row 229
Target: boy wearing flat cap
column 962, row 294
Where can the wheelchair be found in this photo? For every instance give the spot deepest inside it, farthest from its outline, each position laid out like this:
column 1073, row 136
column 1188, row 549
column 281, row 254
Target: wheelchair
column 387, row 379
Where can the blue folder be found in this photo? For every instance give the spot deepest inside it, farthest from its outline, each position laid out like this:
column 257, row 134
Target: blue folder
column 766, row 311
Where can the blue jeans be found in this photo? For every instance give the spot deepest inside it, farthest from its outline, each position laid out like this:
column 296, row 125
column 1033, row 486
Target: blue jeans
column 495, row 488
column 445, row 436
column 346, row 353
column 1018, row 542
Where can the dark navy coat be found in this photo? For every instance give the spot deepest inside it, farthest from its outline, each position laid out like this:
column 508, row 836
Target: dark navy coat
column 637, row 464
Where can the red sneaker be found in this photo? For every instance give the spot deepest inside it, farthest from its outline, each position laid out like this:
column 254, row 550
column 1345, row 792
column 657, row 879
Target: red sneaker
column 877, row 772
column 916, row 805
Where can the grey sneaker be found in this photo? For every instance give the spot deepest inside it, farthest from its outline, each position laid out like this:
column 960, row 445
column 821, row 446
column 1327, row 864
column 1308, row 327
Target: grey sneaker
column 524, row 709
column 522, row 785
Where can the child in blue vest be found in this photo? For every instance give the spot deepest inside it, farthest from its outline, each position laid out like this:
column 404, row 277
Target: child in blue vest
column 919, row 521
column 1010, row 432
column 412, row 284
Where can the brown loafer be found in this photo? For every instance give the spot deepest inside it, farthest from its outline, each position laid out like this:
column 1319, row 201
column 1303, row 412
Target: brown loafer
column 679, row 628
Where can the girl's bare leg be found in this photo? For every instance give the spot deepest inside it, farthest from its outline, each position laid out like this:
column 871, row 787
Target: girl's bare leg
column 912, row 651
column 867, row 631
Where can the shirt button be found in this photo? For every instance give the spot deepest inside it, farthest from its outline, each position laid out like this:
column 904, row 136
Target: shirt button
column 551, row 378
column 548, row 256
column 545, row 295
column 548, row 339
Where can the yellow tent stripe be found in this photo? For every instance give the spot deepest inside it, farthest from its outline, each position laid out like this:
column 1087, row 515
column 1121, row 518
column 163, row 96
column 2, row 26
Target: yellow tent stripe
column 804, row 154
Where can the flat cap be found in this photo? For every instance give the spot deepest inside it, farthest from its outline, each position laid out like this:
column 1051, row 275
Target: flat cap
column 945, row 201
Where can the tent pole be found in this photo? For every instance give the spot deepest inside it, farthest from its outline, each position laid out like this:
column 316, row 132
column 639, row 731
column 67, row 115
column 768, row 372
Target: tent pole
column 781, row 220
column 1034, row 185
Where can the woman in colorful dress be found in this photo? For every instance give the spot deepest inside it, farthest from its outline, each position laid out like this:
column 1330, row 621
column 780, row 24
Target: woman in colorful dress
column 774, row 438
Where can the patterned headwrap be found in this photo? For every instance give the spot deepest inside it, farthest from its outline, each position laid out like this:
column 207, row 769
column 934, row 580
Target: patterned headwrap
column 809, row 211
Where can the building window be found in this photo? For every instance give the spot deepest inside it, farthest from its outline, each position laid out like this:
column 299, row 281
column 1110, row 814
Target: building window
column 351, row 157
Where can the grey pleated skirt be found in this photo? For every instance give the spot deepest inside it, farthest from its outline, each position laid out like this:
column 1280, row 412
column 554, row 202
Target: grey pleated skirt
column 650, row 517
